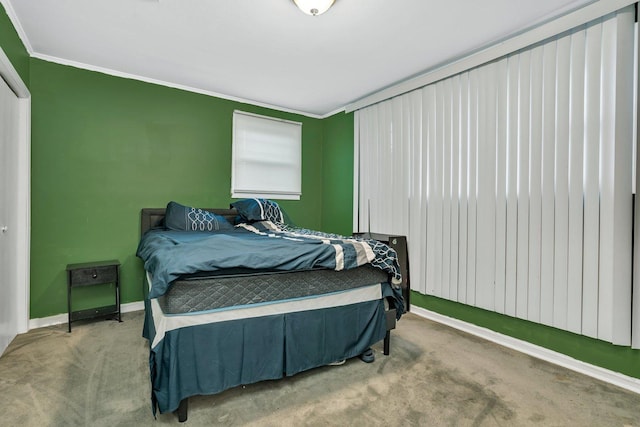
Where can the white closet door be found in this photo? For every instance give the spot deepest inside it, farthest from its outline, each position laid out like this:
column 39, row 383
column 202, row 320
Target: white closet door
column 9, row 125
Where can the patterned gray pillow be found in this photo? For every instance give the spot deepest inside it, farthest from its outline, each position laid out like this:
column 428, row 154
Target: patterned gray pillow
column 187, row 218
column 259, row 210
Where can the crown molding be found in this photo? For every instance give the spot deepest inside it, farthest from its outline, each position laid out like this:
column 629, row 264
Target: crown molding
column 158, row 82
column 8, row 7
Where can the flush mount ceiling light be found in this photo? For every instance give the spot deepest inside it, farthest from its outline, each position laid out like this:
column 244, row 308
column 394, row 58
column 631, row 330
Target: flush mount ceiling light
column 314, row 7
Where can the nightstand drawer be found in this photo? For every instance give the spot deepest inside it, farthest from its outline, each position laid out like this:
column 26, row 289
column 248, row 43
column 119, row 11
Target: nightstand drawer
column 94, row 275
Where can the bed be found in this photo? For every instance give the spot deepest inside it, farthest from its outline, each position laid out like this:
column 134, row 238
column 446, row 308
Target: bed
column 219, row 313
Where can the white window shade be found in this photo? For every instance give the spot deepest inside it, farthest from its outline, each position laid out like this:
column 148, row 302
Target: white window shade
column 266, row 157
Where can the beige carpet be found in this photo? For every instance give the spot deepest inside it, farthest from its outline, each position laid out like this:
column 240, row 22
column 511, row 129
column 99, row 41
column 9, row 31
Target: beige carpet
column 435, row 376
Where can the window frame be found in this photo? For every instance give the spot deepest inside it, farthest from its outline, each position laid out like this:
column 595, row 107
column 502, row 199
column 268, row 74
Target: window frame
column 237, row 169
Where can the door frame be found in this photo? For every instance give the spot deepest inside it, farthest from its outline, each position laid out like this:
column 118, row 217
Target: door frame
column 23, row 205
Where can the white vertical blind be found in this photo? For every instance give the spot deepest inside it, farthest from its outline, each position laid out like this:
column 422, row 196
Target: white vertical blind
column 512, row 181
column 623, row 42
column 576, row 180
column 635, row 315
column 560, row 187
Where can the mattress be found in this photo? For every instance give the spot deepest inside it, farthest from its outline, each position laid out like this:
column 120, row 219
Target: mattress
column 198, row 294
column 164, row 323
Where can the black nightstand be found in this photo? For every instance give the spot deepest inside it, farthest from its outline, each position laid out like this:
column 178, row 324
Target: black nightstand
column 89, row 274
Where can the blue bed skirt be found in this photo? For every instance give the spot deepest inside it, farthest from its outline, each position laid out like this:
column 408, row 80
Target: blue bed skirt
column 213, row 357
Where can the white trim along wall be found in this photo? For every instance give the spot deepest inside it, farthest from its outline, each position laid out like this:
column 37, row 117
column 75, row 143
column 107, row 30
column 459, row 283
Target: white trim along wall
column 62, row 319
column 611, row 377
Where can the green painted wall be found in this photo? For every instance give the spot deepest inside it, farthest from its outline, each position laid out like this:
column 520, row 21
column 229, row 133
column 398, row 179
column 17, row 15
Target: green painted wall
column 13, row 47
column 104, row 147
column 337, row 174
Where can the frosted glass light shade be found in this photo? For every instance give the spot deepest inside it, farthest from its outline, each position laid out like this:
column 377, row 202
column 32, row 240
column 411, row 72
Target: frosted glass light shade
column 314, row 7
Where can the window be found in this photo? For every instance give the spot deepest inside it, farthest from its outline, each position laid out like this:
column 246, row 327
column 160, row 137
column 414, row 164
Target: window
column 513, row 181
column 266, row 157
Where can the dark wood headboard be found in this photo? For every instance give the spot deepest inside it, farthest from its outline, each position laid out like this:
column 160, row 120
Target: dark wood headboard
column 154, row 217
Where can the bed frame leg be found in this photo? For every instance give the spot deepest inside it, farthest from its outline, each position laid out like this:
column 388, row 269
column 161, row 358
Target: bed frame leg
column 387, row 341
column 181, row 412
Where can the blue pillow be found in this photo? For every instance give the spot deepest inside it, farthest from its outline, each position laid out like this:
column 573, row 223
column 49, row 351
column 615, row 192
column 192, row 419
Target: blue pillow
column 259, row 210
column 186, row 218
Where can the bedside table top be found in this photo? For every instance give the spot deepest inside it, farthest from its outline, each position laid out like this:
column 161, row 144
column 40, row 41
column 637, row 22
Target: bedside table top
column 92, row 264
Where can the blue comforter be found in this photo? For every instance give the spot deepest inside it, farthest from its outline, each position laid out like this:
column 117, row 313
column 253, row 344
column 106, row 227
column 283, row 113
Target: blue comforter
column 168, row 255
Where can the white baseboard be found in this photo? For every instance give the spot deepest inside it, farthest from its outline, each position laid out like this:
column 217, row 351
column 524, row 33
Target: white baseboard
column 64, row 318
column 611, row 377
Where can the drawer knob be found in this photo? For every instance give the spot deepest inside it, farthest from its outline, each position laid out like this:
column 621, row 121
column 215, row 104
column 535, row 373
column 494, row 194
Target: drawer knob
column 94, row 274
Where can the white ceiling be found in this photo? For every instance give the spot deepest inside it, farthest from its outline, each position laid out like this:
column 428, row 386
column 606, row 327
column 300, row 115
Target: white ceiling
column 268, row 52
